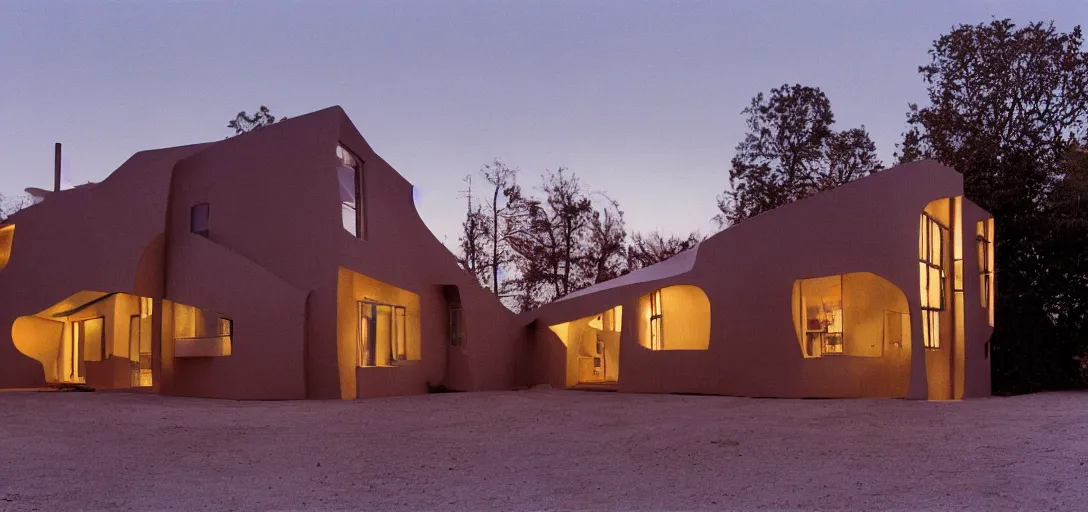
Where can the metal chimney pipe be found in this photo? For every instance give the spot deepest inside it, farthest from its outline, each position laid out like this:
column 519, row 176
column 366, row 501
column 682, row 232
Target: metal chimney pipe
column 56, row 168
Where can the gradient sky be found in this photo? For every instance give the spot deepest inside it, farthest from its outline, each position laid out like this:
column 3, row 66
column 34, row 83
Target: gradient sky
column 640, row 99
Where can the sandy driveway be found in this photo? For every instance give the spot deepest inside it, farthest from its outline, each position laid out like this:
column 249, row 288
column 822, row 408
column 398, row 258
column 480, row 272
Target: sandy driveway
column 541, row 450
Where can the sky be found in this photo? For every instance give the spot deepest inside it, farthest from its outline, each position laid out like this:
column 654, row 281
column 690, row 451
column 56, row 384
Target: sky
column 642, row 100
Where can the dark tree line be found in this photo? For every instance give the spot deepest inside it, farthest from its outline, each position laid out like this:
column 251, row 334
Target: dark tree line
column 1007, row 106
column 531, row 248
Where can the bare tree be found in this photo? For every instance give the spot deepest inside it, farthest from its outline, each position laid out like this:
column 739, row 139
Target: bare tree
column 653, row 247
column 474, row 256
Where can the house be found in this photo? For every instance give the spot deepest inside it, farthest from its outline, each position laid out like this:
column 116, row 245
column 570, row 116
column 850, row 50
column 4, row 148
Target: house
column 284, row 263
column 883, row 287
column 290, row 263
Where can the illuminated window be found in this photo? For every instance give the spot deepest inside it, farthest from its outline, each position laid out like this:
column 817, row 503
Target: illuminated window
column 657, row 333
column 352, row 192
column 931, row 256
column 7, row 236
column 198, row 219
column 457, row 326
column 858, row 314
column 226, row 328
column 201, row 333
column 822, row 315
column 90, row 334
column 984, row 240
column 382, row 334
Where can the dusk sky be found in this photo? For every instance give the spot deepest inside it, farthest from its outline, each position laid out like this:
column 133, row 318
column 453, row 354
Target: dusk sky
column 641, row 99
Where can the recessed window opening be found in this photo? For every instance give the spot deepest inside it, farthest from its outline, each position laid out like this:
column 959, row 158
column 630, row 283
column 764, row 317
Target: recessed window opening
column 352, row 192
column 199, row 219
column 382, row 334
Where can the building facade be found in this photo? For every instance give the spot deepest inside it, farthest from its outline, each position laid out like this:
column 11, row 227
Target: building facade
column 290, row 263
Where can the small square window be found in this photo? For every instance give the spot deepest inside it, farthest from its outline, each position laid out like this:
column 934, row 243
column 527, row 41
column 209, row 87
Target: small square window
column 198, row 219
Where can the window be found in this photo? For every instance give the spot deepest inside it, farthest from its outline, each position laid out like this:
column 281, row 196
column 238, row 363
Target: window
column 657, row 333
column 686, row 307
column 457, row 329
column 201, row 333
column 858, row 314
column 931, row 255
column 198, row 219
column 984, row 240
column 226, row 328
column 352, row 192
column 7, row 236
column 382, row 334
column 821, row 307
column 91, row 335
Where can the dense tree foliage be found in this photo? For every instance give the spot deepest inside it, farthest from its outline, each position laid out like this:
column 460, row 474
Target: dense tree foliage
column 1008, row 108
column 791, row 152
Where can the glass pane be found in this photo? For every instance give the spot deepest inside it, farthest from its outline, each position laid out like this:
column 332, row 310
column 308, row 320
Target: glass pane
column 925, row 329
column 347, row 217
column 922, row 238
column 934, row 288
column 93, row 339
column 935, row 240
column 923, row 273
column 958, row 271
column 935, row 333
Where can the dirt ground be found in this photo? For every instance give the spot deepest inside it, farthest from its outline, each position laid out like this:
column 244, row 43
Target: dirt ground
column 533, row 450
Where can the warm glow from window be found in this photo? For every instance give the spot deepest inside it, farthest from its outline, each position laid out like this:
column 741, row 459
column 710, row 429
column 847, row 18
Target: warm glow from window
column 675, row 318
column 593, row 347
column 984, row 237
column 858, row 314
column 931, row 266
column 100, row 339
column 7, row 236
column 201, row 333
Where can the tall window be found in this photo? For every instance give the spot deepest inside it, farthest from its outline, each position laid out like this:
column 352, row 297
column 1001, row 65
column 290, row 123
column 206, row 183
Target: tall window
column 198, row 219
column 657, row 334
column 352, row 192
column 984, row 239
column 382, row 336
column 457, row 326
column 932, row 235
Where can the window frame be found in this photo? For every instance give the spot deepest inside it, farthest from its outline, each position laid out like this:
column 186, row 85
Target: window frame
column 657, row 330
column 930, row 259
column 351, row 160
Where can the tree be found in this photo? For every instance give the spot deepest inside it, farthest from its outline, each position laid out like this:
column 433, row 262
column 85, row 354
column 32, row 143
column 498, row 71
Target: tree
column 9, row 205
column 791, row 152
column 472, row 241
column 607, row 244
column 507, row 213
column 653, row 247
column 1006, row 107
column 243, row 122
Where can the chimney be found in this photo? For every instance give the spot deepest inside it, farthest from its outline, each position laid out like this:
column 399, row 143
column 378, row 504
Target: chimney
column 56, row 168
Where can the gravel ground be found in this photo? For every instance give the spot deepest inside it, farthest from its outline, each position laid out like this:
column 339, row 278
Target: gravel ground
column 533, row 450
